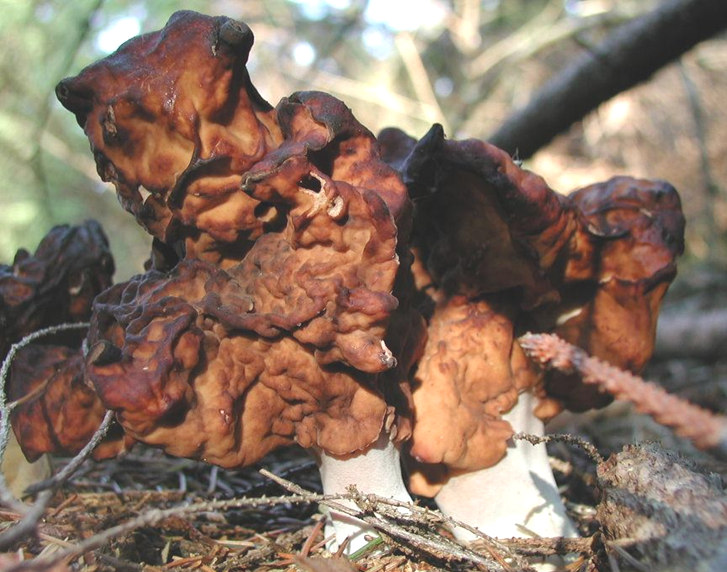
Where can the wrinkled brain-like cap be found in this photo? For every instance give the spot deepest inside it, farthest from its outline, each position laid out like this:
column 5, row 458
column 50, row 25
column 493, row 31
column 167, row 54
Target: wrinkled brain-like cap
column 619, row 265
column 287, row 346
column 56, row 411
column 272, row 323
column 173, row 121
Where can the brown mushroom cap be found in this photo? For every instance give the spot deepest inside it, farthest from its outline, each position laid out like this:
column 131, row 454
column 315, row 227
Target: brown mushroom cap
column 174, row 122
column 471, row 372
column 619, row 266
column 482, row 224
column 200, row 364
column 291, row 237
column 227, row 362
column 499, row 253
column 56, row 411
column 56, row 284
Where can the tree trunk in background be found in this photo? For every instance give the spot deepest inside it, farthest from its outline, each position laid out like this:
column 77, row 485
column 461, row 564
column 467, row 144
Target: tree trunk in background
column 629, row 55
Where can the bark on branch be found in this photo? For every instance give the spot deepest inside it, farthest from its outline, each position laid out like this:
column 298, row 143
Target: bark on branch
column 701, row 335
column 629, row 55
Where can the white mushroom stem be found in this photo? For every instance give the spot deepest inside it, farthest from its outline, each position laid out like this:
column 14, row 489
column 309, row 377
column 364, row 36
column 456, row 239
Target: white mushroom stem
column 377, row 471
column 517, row 497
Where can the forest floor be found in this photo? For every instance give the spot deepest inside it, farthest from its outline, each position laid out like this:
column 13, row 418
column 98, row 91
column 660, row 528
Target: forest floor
column 111, row 505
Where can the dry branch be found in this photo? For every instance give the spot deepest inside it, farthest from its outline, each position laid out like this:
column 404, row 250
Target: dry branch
column 692, row 334
column 586, row 446
column 62, row 476
column 629, row 55
column 385, row 515
column 706, row 430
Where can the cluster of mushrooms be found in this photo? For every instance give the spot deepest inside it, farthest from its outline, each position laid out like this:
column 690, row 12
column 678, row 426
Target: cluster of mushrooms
column 360, row 296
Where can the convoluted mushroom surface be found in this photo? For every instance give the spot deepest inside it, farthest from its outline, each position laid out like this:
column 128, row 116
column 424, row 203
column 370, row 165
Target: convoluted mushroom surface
column 277, row 324
column 277, row 305
column 57, row 411
column 211, row 363
column 619, row 264
column 174, row 122
column 592, row 266
column 498, row 253
column 471, row 372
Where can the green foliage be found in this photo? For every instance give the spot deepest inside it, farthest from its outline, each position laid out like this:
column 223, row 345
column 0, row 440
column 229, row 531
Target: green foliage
column 50, row 176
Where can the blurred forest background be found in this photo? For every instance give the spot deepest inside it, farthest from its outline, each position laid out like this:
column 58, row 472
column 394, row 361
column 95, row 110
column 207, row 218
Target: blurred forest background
column 467, row 64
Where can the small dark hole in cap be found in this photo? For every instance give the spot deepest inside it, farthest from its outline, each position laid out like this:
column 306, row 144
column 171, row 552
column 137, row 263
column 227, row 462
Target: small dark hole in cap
column 311, row 183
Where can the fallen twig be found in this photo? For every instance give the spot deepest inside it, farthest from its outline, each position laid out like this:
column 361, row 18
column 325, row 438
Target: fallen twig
column 151, row 517
column 385, row 521
column 705, row 429
column 548, row 546
column 32, row 515
column 588, row 447
column 64, row 474
column 385, row 515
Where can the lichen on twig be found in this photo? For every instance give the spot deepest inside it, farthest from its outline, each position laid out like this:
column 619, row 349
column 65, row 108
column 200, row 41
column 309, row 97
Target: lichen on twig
column 708, row 431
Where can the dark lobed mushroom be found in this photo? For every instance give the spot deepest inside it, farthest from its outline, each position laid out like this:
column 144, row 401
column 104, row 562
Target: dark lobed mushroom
column 620, row 262
column 56, row 284
column 325, row 222
column 174, row 122
column 55, row 411
column 500, row 253
column 288, row 345
column 283, row 307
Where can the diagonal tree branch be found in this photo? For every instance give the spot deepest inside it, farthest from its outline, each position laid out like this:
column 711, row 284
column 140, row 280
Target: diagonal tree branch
column 629, row 55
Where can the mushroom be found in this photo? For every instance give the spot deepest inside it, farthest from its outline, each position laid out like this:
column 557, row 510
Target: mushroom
column 56, row 284
column 500, row 253
column 277, row 308
column 621, row 261
column 292, row 285
column 286, row 347
column 55, row 412
column 174, row 122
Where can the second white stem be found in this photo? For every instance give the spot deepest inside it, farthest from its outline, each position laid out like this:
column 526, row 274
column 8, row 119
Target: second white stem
column 518, row 496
